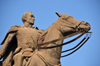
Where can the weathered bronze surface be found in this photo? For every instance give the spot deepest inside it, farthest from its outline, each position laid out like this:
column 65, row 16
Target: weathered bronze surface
column 20, row 45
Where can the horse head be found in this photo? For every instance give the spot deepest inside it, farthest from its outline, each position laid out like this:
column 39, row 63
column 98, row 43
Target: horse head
column 69, row 25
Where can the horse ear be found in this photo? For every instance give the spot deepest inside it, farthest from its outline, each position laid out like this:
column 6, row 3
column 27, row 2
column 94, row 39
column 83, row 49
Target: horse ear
column 58, row 14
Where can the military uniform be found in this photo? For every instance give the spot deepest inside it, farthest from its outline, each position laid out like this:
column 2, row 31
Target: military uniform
column 17, row 40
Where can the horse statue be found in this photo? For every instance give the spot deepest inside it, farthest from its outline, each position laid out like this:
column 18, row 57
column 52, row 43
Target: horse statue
column 66, row 25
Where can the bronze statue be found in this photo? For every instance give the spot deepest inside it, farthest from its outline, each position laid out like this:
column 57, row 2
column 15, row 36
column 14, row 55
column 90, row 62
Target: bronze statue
column 23, row 45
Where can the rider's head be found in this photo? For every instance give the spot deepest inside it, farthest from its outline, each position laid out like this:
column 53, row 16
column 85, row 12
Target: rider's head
column 28, row 17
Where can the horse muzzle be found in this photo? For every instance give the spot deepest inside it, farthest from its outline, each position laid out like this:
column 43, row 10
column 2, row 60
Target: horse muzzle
column 84, row 26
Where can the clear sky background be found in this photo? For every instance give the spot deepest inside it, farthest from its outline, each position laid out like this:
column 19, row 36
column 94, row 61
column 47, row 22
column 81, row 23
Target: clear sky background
column 11, row 12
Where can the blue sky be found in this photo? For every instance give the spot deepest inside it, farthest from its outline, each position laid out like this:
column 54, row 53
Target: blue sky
column 11, row 12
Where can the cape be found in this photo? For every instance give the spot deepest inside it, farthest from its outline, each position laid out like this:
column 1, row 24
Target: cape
column 7, row 57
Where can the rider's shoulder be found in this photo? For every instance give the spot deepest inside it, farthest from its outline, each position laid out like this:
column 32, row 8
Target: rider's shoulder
column 39, row 30
column 17, row 26
column 14, row 28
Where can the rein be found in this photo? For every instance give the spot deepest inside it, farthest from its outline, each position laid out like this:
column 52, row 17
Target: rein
column 83, row 41
column 62, row 43
column 86, row 39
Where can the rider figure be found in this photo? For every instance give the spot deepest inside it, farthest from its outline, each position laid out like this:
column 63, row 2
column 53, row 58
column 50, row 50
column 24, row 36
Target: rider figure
column 26, row 36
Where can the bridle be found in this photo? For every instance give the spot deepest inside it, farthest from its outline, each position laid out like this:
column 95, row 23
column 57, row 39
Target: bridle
column 78, row 46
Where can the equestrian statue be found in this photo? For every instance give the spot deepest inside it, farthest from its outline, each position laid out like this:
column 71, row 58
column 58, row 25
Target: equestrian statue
column 28, row 46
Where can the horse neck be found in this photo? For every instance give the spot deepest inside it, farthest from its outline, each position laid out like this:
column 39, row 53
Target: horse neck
column 54, row 33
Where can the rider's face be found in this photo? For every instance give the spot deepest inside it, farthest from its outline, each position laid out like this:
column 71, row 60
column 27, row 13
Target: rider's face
column 30, row 18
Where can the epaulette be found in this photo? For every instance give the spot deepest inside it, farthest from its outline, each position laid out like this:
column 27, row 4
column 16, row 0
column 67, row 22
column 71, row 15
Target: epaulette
column 36, row 28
